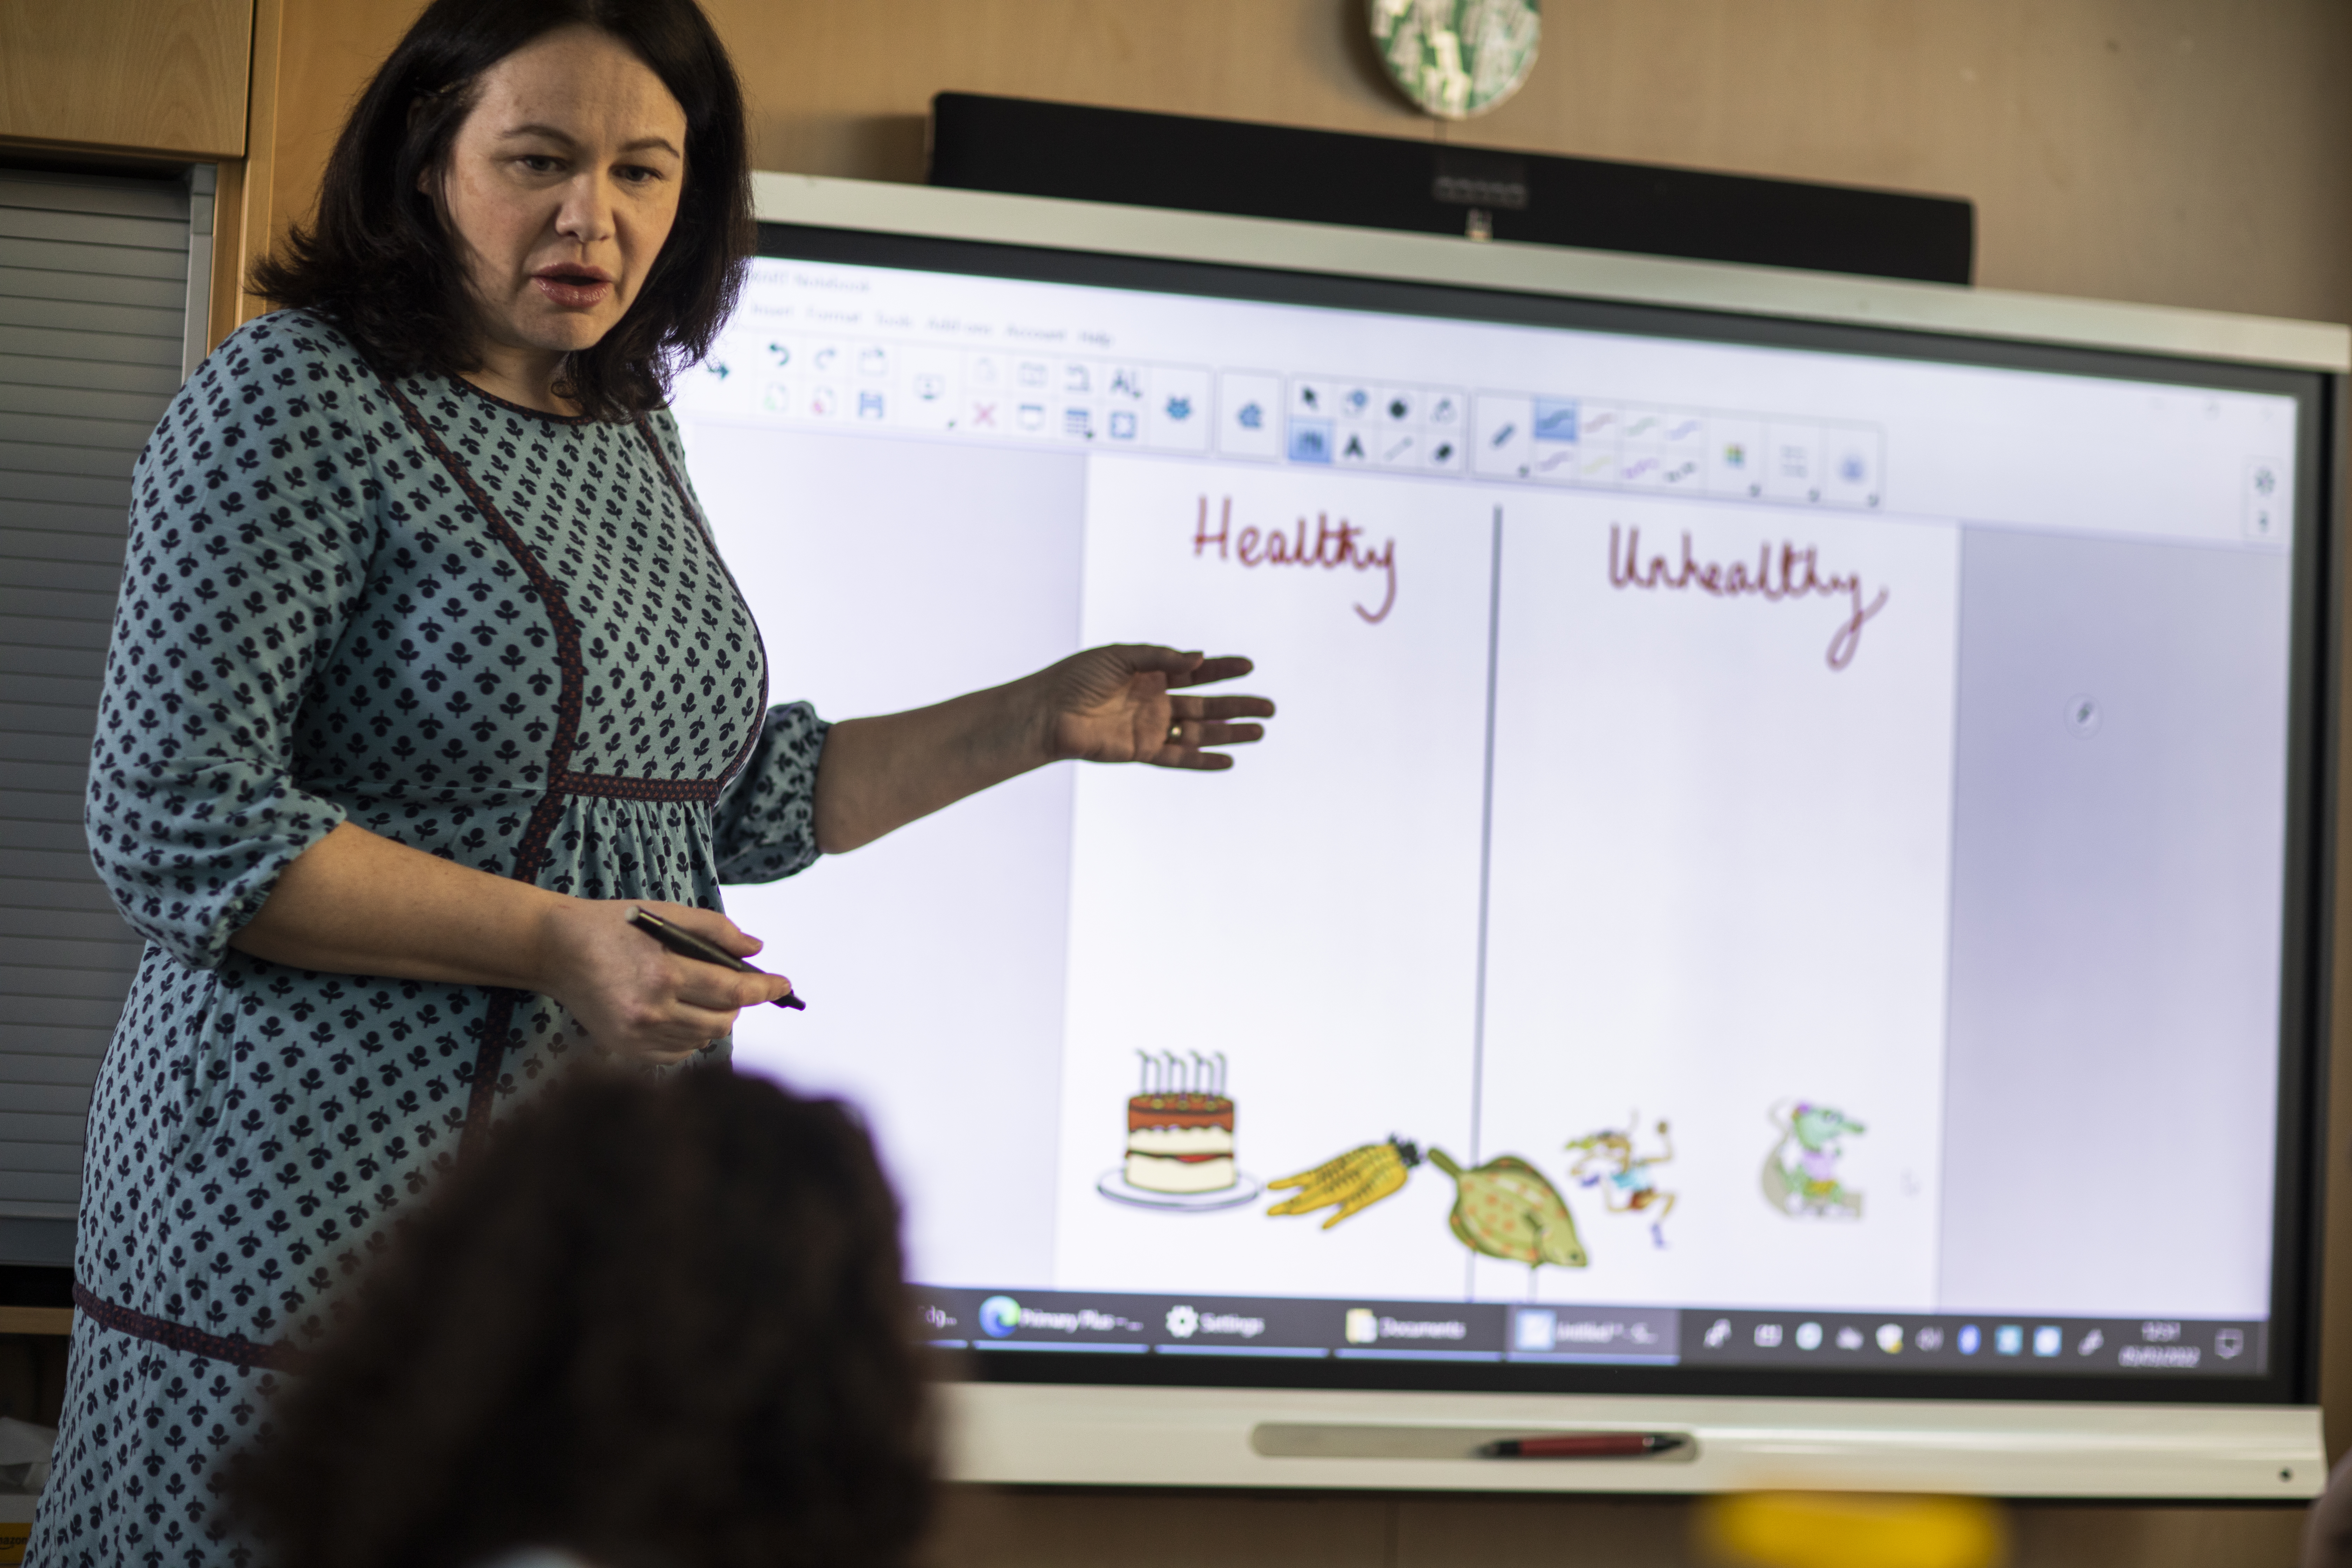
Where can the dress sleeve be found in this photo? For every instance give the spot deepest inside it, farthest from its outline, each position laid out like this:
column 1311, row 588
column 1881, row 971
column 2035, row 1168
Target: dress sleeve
column 766, row 826
column 251, row 530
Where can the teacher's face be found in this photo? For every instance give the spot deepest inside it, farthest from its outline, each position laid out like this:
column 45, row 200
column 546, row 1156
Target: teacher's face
column 562, row 185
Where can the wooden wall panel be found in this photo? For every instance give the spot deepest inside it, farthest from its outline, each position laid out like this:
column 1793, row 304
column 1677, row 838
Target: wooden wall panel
column 327, row 51
column 2177, row 151
column 243, row 227
column 159, row 77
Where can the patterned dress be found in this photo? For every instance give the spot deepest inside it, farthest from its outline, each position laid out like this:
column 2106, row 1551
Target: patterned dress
column 493, row 635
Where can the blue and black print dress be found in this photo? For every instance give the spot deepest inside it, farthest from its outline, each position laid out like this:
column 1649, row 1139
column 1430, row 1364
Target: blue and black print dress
column 497, row 635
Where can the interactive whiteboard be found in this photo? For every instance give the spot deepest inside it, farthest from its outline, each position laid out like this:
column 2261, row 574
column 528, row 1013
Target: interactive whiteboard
column 1778, row 859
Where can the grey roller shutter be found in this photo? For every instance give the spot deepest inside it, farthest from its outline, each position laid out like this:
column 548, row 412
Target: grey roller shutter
column 94, row 330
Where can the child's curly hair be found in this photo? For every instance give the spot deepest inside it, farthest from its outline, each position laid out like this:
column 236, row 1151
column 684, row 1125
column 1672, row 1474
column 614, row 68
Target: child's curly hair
column 654, row 1325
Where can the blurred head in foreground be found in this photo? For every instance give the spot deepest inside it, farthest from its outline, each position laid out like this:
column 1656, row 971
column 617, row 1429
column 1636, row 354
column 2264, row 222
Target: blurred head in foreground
column 653, row 1325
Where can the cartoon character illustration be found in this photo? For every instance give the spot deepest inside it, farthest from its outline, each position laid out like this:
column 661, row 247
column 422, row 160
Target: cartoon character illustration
column 1504, row 1208
column 1800, row 1177
column 1606, row 1159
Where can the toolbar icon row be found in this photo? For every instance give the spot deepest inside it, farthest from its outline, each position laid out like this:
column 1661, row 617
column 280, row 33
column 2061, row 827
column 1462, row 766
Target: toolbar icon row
column 987, row 393
column 1580, row 441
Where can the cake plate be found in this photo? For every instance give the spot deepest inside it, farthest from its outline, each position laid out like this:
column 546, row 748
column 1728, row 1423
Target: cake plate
column 1115, row 1186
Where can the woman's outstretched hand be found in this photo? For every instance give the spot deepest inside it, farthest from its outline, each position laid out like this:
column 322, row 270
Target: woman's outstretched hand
column 1119, row 704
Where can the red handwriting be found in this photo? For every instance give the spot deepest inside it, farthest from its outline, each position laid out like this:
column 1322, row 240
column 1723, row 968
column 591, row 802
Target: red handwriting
column 1793, row 574
column 1334, row 546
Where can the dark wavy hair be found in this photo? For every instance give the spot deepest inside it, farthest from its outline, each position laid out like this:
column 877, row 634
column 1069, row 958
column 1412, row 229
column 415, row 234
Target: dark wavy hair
column 376, row 258
column 653, row 1325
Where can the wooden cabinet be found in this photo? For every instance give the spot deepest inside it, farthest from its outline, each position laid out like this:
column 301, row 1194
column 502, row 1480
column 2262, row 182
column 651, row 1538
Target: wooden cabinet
column 163, row 78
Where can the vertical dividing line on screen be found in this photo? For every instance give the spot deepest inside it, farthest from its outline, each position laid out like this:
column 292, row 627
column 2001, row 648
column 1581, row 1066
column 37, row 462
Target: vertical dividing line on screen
column 1486, row 838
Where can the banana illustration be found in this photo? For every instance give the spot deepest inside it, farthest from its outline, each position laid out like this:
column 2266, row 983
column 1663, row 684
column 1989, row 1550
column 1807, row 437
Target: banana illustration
column 1354, row 1181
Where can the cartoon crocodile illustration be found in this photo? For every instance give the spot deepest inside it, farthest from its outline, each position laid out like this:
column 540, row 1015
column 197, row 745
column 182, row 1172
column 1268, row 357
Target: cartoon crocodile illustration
column 1800, row 1177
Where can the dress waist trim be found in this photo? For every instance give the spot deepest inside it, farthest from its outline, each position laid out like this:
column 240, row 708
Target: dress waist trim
column 277, row 1354
column 613, row 786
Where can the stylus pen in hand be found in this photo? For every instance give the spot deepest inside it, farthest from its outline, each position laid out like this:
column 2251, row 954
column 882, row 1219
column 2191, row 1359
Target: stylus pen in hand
column 686, row 945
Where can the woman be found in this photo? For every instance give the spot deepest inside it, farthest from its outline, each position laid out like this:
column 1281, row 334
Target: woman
column 424, row 673
column 669, row 1321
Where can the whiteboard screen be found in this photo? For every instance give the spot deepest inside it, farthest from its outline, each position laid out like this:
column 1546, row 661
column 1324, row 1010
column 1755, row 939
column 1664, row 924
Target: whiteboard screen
column 1771, row 856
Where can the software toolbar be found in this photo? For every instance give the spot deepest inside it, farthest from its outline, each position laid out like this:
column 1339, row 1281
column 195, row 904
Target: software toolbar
column 1293, row 1328
column 1320, row 420
column 1227, row 380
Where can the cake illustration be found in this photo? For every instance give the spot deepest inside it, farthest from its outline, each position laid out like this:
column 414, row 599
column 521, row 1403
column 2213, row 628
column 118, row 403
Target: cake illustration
column 1181, row 1140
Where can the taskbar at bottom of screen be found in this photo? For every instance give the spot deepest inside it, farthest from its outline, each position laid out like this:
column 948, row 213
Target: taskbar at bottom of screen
column 1357, row 1329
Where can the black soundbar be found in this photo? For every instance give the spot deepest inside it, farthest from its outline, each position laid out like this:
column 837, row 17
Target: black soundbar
column 1024, row 147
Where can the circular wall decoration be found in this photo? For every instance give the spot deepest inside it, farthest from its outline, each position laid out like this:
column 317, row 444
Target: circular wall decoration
column 1458, row 58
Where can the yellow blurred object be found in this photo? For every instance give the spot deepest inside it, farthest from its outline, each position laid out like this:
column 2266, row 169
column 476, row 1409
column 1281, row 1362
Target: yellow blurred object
column 1354, row 1181
column 1846, row 1529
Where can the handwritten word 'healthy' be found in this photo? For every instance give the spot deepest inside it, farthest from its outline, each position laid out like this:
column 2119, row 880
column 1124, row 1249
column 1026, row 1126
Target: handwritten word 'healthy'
column 1794, row 574
column 1335, row 545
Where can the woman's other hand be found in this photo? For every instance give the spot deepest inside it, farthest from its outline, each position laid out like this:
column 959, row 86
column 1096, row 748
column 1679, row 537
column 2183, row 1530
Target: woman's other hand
column 354, row 904
column 635, row 997
column 1119, row 704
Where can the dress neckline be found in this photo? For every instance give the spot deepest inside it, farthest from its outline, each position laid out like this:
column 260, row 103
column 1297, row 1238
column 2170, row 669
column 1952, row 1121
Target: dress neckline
column 523, row 408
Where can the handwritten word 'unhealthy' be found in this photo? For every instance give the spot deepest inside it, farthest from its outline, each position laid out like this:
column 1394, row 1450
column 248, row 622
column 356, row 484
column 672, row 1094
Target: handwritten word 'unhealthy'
column 1793, row 573
column 1335, row 545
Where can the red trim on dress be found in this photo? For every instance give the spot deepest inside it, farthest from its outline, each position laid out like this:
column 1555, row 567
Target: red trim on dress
column 276, row 1355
